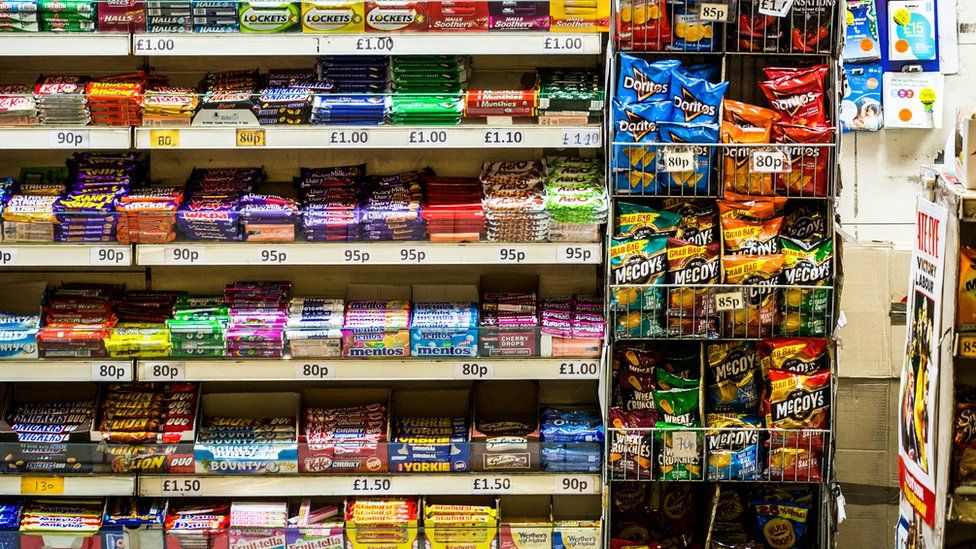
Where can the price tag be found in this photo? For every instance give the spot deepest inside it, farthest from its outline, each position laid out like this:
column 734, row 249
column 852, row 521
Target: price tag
column 250, row 137
column 570, row 484
column 162, row 371
column 491, row 485
column 147, row 46
column 584, row 370
column 474, row 370
column 580, row 138
column 8, row 256
column 313, row 370
column 563, row 44
column 111, row 371
column 678, row 159
column 574, row 254
column 41, row 486
column 164, row 139
column 272, row 255
column 349, row 137
column 967, row 346
column 69, row 139
column 775, row 8
column 717, row 12
column 412, row 255
column 684, row 444
column 503, row 137
column 771, row 162
column 110, row 256
column 371, row 485
column 355, row 256
column 730, row 301
column 427, row 137
column 512, row 255
column 375, row 43
column 184, row 255
column 181, row 487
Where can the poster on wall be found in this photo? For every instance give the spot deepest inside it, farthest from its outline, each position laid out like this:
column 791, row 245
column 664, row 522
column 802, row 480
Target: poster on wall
column 918, row 390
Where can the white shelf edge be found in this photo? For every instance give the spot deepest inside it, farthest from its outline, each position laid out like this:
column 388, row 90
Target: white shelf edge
column 346, row 485
column 67, row 138
column 67, row 44
column 107, row 369
column 108, row 254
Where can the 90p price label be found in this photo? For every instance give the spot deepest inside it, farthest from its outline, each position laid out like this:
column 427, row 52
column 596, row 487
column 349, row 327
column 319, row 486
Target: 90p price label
column 69, row 139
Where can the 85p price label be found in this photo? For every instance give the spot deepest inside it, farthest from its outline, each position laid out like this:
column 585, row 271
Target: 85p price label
column 717, row 12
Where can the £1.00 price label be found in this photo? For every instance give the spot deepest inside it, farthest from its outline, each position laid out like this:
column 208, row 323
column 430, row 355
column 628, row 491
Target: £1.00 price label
column 41, row 486
column 561, row 44
column 585, row 370
column 69, row 139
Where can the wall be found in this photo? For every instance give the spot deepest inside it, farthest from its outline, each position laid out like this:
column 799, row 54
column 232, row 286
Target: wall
column 879, row 170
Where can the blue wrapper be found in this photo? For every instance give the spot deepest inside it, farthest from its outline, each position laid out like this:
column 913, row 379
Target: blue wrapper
column 862, row 29
column 687, row 15
column 686, row 183
column 695, row 100
column 711, row 72
column 861, row 108
column 640, row 81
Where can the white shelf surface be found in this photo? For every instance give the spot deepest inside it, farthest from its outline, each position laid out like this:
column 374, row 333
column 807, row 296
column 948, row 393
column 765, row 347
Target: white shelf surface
column 73, row 44
column 67, row 485
column 66, row 370
column 65, row 255
column 75, row 138
column 370, row 137
column 367, row 253
column 376, row 485
column 366, row 369
column 487, row 43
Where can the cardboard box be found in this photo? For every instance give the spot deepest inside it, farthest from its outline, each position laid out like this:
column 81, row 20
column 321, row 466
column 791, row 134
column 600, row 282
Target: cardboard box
column 459, row 16
column 441, row 458
column 333, row 16
column 526, row 522
column 280, row 458
column 577, row 522
column 444, row 342
column 379, row 342
column 461, row 537
column 867, row 432
column 510, row 341
column 868, row 526
column 321, row 458
column 500, row 403
column 875, row 275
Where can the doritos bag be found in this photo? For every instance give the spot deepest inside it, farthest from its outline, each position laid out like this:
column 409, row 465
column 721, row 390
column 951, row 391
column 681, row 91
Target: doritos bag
column 637, row 122
column 759, row 273
column 746, row 236
column 695, row 100
column 709, row 71
column 641, row 81
column 809, row 160
column 692, row 265
column 733, row 447
column 797, row 94
column 696, row 182
column 634, row 165
column 811, row 21
column 643, row 25
column 734, row 381
column 806, row 311
column 966, row 309
column 798, row 355
column 737, row 175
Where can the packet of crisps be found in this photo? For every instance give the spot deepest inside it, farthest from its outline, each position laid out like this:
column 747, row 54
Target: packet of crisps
column 783, row 524
column 696, row 182
column 793, row 464
column 750, row 116
column 676, row 459
column 733, row 447
column 747, row 236
column 806, row 265
column 695, row 100
column 640, row 262
column 690, row 32
column 809, row 160
column 798, row 355
column 797, row 401
column 636, row 391
column 636, row 324
column 665, row 381
column 636, row 221
column 640, row 81
column 750, row 207
column 806, row 223
column 755, row 31
column 737, row 174
column 699, row 221
column 966, row 309
column 692, row 265
column 759, row 274
column 678, row 406
column 734, row 378
column 797, row 94
column 708, row 70
column 643, row 25
column 811, row 22
column 629, row 454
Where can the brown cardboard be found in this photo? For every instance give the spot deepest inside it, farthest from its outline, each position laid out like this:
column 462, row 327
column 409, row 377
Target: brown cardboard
column 967, row 127
column 323, row 460
column 867, row 432
column 506, row 401
column 871, row 271
column 526, row 522
column 868, row 526
column 448, row 293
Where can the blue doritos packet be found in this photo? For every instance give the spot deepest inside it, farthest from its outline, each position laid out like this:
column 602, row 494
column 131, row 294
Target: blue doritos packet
column 641, row 81
column 695, row 100
column 861, row 108
column 637, row 122
column 699, row 181
column 861, row 42
column 690, row 32
column 707, row 71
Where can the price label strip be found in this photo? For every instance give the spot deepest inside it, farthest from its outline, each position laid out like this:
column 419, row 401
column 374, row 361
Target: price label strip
column 715, row 11
column 110, row 256
column 111, row 371
column 774, row 161
column 42, row 486
column 491, row 485
column 678, row 159
column 584, row 370
column 311, row 370
column 162, row 371
column 575, row 254
column 69, row 139
column 571, row 484
column 8, row 256
column 250, row 138
column 474, row 370
column 371, row 485
column 164, row 139
column 184, row 255
column 180, row 487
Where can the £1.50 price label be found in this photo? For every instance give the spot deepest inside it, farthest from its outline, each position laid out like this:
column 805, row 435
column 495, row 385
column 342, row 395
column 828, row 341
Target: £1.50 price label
column 181, row 487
